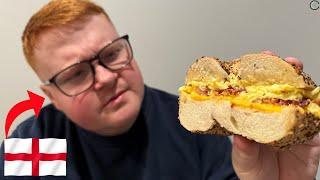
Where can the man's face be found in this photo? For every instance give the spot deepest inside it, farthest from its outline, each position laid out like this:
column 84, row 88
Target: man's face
column 112, row 104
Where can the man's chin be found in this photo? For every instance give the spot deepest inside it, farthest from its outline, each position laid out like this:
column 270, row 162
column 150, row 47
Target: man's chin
column 120, row 121
column 118, row 118
column 116, row 127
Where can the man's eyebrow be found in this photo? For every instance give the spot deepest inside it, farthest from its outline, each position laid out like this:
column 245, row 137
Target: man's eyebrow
column 89, row 55
column 94, row 52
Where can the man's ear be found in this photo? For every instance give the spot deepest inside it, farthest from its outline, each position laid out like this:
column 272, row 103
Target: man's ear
column 48, row 91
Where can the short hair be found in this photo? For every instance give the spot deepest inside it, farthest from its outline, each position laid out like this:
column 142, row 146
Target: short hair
column 56, row 13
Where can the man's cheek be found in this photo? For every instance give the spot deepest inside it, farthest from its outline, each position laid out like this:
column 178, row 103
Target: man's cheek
column 82, row 113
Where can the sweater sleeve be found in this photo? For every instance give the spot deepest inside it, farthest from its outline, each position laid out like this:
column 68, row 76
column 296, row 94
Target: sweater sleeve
column 215, row 158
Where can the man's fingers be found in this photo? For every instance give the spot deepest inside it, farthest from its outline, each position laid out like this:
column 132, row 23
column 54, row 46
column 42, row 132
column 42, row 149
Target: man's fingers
column 308, row 150
column 245, row 154
column 315, row 141
column 294, row 61
column 269, row 53
column 291, row 60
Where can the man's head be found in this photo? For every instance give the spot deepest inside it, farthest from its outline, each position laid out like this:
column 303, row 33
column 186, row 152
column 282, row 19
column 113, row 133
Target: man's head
column 93, row 77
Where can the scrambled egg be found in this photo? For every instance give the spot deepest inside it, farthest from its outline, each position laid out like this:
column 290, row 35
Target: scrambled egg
column 314, row 109
column 253, row 92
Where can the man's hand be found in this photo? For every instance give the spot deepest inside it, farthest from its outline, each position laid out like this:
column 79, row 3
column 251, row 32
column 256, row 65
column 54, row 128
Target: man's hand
column 254, row 161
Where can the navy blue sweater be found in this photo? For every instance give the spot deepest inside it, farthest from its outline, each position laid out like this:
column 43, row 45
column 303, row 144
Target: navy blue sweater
column 156, row 147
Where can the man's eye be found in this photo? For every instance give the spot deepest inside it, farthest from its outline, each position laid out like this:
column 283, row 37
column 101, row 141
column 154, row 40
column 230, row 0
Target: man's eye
column 113, row 55
column 77, row 74
column 72, row 77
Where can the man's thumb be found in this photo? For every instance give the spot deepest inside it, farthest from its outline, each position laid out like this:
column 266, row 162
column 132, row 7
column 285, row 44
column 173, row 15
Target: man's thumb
column 245, row 155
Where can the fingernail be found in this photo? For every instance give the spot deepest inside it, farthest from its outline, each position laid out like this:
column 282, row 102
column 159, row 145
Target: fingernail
column 269, row 53
column 291, row 58
column 294, row 61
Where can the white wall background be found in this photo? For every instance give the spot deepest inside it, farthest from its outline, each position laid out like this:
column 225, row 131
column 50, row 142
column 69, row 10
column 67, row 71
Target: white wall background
column 167, row 36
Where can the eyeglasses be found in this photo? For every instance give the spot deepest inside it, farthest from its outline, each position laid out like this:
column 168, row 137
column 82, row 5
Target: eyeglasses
column 80, row 76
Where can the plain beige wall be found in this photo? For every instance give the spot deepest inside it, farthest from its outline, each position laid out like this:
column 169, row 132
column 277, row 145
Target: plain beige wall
column 167, row 36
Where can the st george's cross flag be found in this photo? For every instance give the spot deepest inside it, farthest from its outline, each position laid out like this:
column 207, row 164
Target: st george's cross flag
column 35, row 157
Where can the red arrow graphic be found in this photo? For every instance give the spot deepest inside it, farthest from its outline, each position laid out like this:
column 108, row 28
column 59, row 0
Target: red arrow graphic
column 35, row 102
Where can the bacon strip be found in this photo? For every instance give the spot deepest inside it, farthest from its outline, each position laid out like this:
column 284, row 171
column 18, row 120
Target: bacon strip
column 205, row 91
column 302, row 102
column 229, row 91
column 317, row 101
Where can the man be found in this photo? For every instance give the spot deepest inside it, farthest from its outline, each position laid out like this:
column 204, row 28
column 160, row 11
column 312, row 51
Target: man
column 118, row 128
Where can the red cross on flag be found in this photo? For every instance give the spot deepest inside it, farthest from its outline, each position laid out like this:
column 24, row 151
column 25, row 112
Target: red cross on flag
column 35, row 157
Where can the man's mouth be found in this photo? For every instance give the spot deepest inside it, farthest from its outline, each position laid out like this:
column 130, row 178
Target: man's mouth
column 114, row 99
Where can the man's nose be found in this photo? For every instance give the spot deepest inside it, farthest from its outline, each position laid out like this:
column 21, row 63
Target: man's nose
column 104, row 77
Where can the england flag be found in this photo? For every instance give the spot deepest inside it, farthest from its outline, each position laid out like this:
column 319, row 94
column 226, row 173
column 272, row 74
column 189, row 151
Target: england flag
column 35, row 157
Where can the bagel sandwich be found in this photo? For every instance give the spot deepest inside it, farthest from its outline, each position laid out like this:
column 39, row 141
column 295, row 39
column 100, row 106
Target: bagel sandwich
column 258, row 96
